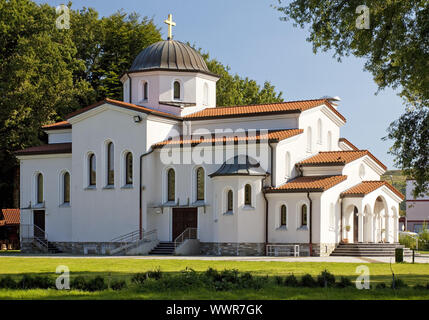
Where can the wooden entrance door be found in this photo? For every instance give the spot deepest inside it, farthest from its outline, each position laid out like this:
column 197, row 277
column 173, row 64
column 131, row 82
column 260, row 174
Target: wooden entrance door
column 183, row 218
column 355, row 227
column 39, row 223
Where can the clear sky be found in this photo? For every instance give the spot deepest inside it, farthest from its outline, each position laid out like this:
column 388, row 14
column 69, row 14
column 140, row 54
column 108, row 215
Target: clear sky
column 248, row 36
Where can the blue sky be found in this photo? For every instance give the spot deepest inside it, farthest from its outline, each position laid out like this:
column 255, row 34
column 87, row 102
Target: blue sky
column 248, row 36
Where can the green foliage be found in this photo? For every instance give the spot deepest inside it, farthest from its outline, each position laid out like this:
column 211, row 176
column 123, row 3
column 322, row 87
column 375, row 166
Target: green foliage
column 396, row 52
column 408, row 241
column 308, row 281
column 118, row 284
column 424, row 237
column 398, row 284
column 35, row 282
column 381, row 285
column 78, row 283
column 344, row 283
column 94, row 284
column 399, row 255
column 326, row 279
column 291, row 281
column 8, row 283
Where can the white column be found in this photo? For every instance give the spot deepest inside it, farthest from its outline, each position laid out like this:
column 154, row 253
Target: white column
column 360, row 227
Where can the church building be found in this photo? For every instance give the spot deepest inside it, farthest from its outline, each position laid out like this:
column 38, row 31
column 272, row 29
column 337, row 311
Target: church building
column 168, row 171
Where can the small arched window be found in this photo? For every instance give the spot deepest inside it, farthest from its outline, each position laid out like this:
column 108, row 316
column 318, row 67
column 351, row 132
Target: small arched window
column 309, row 140
column 92, row 170
column 319, row 131
column 110, row 164
column 145, row 90
column 247, row 195
column 329, row 140
column 206, row 95
column 171, row 187
column 39, row 192
column 287, row 164
column 304, row 215
column 230, row 201
column 200, row 184
column 66, row 187
column 283, row 216
column 362, row 171
column 176, row 88
column 129, row 168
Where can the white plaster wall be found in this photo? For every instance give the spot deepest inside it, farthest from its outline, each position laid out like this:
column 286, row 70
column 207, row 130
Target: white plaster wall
column 58, row 217
column 59, row 136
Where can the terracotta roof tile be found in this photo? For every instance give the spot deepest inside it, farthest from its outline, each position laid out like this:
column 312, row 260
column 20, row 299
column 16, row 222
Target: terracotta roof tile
column 329, row 158
column 57, row 126
column 309, row 184
column 10, row 216
column 272, row 136
column 351, row 145
column 54, row 148
column 366, row 187
column 250, row 110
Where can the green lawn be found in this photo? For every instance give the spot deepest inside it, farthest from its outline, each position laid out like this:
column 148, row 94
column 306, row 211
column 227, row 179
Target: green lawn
column 111, row 269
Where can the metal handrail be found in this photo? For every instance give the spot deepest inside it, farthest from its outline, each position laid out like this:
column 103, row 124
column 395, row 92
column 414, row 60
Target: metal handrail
column 189, row 233
column 41, row 240
column 128, row 237
column 275, row 249
column 126, row 245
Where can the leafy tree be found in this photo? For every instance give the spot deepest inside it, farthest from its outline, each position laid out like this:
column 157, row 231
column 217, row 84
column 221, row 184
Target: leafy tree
column 396, row 49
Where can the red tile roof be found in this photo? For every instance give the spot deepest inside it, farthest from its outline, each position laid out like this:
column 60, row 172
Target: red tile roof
column 55, row 148
column 261, row 109
column 272, row 136
column 329, row 158
column 309, row 184
column 10, row 216
column 57, row 126
column 351, row 145
column 366, row 187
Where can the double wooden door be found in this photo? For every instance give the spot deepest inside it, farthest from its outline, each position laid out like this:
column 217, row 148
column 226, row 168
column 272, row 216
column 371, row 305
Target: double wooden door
column 183, row 218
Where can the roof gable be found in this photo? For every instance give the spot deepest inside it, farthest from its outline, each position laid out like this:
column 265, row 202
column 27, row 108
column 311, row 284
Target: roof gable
column 309, row 184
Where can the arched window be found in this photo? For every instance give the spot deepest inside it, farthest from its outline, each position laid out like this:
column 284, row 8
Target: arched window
column 319, row 131
column 287, row 164
column 200, row 184
column 329, row 140
column 362, row 171
column 309, row 140
column 304, row 215
column 171, row 188
column 145, row 90
column 176, row 87
column 92, row 170
column 247, row 195
column 39, row 192
column 110, row 164
column 206, row 95
column 283, row 216
column 129, row 168
column 230, row 201
column 66, row 187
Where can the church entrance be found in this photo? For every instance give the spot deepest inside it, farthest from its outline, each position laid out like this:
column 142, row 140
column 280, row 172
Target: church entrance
column 183, row 218
column 39, row 223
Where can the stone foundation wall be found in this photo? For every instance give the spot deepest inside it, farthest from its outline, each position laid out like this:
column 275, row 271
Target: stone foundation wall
column 232, row 249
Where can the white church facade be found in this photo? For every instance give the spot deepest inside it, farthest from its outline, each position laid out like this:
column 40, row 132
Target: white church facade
column 167, row 165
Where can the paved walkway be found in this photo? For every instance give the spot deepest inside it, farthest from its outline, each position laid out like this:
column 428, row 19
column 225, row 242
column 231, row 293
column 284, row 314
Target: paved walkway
column 420, row 259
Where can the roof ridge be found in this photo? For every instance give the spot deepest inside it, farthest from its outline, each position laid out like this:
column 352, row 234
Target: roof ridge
column 271, row 103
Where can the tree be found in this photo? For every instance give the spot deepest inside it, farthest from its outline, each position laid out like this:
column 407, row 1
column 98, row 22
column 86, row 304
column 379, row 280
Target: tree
column 396, row 49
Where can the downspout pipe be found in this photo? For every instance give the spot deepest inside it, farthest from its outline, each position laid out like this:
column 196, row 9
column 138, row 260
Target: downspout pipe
column 265, row 196
column 141, row 192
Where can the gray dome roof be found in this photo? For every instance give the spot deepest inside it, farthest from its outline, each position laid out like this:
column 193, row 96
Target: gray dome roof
column 241, row 165
column 169, row 55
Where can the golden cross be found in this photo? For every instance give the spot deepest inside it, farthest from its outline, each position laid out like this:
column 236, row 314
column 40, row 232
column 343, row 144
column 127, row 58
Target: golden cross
column 171, row 24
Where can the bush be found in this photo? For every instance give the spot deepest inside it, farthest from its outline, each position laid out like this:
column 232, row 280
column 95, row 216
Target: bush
column 139, row 278
column 344, row 283
column 78, row 283
column 407, row 240
column 419, row 287
column 8, row 283
column 279, row 280
column 326, row 279
column 37, row 282
column 118, row 285
column 291, row 281
column 96, row 284
column 154, row 274
column 381, row 285
column 308, row 281
column 399, row 283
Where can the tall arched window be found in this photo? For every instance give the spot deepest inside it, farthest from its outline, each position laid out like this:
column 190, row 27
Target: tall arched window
column 129, row 168
column 304, row 215
column 66, row 187
column 145, row 90
column 283, row 216
column 230, row 201
column 171, row 187
column 247, row 195
column 287, row 164
column 329, row 140
column 110, row 164
column 309, row 140
column 92, row 170
column 206, row 95
column 200, row 183
column 39, row 192
column 362, row 171
column 176, row 87
column 319, row 131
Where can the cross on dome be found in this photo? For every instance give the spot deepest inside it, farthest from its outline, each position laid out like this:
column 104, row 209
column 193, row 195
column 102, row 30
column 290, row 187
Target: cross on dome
column 170, row 24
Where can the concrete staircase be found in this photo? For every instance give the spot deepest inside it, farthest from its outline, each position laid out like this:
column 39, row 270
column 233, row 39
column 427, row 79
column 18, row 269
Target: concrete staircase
column 163, row 248
column 368, row 250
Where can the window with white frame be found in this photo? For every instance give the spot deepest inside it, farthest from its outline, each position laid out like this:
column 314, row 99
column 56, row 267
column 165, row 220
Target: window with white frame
column 176, row 90
column 200, row 184
column 362, row 171
column 128, row 168
column 283, row 216
column 39, row 188
column 304, row 215
column 92, row 173
column 248, row 195
column 230, row 201
column 145, row 92
column 66, row 188
column 319, row 131
column 171, row 185
column 110, row 164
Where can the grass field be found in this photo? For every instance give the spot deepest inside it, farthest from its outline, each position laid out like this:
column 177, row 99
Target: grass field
column 112, row 269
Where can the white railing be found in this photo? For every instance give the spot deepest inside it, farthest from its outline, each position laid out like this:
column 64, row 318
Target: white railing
column 189, row 233
column 278, row 250
column 132, row 240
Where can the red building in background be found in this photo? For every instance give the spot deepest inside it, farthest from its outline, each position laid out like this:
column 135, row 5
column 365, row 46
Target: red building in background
column 9, row 229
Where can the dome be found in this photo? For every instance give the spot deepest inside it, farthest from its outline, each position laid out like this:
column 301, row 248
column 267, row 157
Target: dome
column 169, row 55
